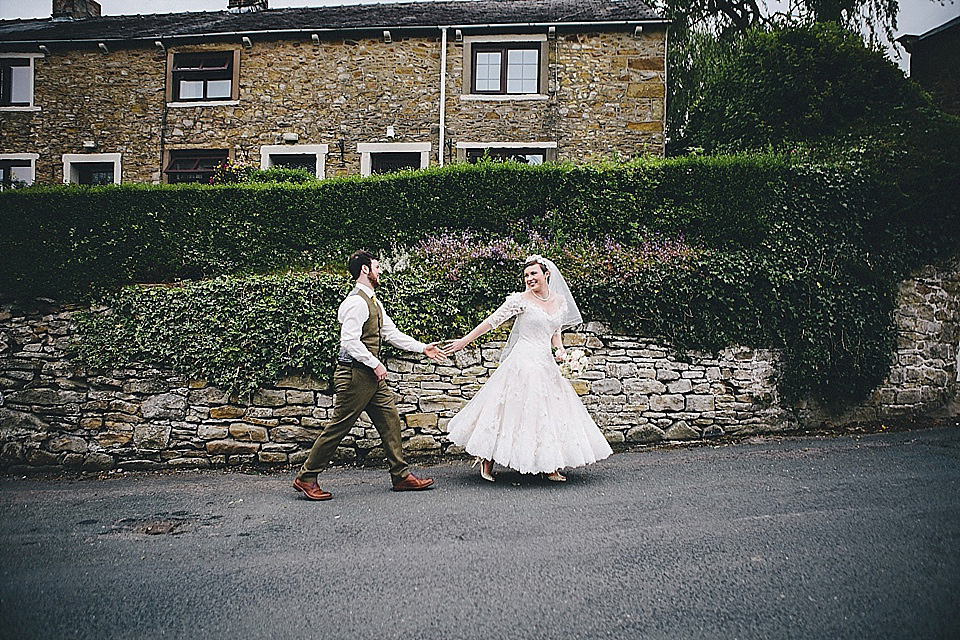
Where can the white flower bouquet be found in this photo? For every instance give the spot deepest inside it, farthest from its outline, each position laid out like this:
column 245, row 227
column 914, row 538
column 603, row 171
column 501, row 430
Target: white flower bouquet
column 574, row 363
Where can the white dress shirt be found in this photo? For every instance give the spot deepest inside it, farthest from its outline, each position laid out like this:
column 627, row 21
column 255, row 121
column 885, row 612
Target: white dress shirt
column 353, row 313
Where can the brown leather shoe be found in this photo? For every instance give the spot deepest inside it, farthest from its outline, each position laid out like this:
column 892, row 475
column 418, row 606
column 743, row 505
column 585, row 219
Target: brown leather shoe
column 412, row 483
column 311, row 490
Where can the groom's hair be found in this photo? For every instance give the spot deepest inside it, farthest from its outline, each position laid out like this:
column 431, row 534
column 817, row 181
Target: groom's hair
column 358, row 260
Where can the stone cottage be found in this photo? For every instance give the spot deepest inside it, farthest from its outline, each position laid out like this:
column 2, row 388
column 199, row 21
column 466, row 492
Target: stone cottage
column 360, row 89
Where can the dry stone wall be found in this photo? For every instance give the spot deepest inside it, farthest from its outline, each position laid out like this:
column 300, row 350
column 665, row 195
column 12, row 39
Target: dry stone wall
column 55, row 414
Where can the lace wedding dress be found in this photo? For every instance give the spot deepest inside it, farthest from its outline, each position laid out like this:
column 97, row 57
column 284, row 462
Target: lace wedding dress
column 527, row 416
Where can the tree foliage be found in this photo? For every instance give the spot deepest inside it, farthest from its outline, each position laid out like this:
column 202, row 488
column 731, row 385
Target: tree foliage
column 725, row 19
column 796, row 85
column 701, row 29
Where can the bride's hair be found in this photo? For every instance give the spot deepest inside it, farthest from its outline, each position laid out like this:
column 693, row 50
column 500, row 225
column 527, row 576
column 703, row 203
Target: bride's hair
column 532, row 260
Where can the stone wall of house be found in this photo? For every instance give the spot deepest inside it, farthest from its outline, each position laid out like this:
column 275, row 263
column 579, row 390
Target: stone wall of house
column 55, row 414
column 115, row 100
column 606, row 99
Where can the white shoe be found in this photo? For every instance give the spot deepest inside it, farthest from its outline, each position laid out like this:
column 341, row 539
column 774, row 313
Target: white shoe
column 486, row 475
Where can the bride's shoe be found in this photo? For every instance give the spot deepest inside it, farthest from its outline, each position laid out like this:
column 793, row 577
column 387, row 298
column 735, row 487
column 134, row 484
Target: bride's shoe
column 485, row 473
column 556, row 476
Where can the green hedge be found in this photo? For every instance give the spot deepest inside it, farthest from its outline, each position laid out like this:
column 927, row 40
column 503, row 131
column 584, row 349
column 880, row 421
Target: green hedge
column 68, row 242
column 705, row 252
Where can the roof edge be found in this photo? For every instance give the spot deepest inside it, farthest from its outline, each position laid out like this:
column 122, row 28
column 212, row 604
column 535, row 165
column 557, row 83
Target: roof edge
column 331, row 30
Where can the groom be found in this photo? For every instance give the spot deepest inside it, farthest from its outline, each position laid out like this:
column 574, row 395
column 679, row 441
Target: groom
column 360, row 382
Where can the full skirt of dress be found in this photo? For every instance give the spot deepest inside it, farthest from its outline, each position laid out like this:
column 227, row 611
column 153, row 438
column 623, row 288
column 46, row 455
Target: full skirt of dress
column 528, row 417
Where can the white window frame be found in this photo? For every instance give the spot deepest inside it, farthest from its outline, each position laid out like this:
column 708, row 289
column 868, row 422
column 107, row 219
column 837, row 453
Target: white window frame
column 32, row 157
column 318, row 150
column 70, row 159
column 467, row 66
column 365, row 149
column 33, row 65
column 546, row 146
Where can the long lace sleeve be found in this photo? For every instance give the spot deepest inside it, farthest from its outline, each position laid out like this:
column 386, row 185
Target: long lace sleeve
column 511, row 307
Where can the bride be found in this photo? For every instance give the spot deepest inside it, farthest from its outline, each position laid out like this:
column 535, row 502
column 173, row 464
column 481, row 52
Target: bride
column 527, row 416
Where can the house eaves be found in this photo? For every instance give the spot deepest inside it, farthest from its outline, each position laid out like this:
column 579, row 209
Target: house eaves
column 467, row 15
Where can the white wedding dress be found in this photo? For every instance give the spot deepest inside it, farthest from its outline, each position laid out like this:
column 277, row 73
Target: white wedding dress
column 527, row 416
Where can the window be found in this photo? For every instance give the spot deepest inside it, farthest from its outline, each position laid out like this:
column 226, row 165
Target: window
column 522, row 152
column 311, row 157
column 505, row 67
column 294, row 161
column 194, row 165
column 16, row 81
column 523, row 156
column 204, row 77
column 393, row 161
column 94, row 173
column 91, row 168
column 508, row 68
column 393, row 156
column 17, row 169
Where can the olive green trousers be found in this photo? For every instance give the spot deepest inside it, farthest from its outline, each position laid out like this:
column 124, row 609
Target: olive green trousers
column 358, row 390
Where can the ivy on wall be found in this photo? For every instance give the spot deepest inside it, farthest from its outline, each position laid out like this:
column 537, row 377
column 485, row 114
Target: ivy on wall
column 757, row 250
column 243, row 332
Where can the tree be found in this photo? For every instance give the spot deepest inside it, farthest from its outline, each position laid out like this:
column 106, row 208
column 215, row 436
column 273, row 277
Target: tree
column 797, row 85
column 699, row 27
column 725, row 19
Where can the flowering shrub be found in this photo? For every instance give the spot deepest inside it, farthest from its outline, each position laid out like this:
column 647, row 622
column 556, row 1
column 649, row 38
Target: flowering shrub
column 450, row 253
column 232, row 172
column 611, row 258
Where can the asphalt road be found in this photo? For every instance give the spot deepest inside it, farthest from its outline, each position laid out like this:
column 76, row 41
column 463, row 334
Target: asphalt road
column 840, row 537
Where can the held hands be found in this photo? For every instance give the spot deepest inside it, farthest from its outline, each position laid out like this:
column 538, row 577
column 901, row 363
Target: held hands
column 434, row 352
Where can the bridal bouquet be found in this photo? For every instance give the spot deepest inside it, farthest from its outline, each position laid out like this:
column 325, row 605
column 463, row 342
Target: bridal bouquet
column 574, row 363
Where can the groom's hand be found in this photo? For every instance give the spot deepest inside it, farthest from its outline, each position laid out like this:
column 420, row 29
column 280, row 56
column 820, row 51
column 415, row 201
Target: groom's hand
column 380, row 372
column 434, row 352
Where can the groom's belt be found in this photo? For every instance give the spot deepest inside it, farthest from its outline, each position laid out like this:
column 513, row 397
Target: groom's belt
column 349, row 361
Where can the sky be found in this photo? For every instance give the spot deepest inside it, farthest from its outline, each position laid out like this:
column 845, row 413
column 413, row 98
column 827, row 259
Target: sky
column 916, row 16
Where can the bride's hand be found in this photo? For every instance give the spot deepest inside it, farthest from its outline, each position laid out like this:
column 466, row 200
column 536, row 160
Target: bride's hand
column 559, row 354
column 455, row 345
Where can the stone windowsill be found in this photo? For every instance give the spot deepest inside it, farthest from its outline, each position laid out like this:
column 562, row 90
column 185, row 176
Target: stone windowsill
column 469, row 97
column 205, row 103
column 19, row 108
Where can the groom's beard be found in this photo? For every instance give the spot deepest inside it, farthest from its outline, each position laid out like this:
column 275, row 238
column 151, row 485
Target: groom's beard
column 374, row 280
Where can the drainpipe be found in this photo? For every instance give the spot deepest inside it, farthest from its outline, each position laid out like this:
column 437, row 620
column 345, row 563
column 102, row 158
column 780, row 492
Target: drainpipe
column 163, row 120
column 666, row 85
column 443, row 92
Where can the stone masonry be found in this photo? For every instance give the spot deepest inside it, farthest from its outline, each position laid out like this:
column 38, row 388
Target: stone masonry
column 54, row 414
column 605, row 99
